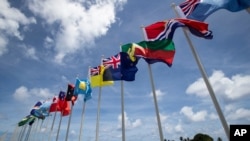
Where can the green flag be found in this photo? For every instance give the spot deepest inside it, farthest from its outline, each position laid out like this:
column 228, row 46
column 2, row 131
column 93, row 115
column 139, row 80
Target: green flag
column 152, row 51
column 26, row 120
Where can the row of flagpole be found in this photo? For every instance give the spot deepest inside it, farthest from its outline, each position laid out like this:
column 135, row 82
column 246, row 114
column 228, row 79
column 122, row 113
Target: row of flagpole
column 205, row 78
column 22, row 135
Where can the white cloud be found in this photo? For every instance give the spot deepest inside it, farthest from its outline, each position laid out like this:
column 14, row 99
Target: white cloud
column 198, row 116
column 29, row 52
column 239, row 114
column 129, row 124
column 48, row 42
column 23, row 94
column 231, row 88
column 178, row 128
column 159, row 94
column 80, row 23
column 10, row 21
column 3, row 43
column 234, row 113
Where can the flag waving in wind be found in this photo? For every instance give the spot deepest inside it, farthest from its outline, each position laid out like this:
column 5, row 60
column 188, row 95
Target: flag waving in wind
column 201, row 9
column 70, row 94
column 152, row 51
column 96, row 77
column 83, row 87
column 120, row 67
column 165, row 29
column 63, row 105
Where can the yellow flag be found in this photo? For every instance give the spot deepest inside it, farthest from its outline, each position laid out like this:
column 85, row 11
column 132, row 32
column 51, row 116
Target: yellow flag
column 97, row 80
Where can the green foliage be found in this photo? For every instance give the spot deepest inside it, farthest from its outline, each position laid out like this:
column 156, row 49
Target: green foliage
column 202, row 137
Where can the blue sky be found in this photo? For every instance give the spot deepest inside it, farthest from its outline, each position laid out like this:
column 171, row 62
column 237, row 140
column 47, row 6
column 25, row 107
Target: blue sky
column 44, row 45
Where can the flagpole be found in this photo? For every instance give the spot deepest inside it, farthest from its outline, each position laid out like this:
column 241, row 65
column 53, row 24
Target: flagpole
column 39, row 130
column 98, row 114
column 156, row 103
column 98, row 108
column 59, row 126
column 83, row 111
column 46, row 126
column 22, row 132
column 122, row 108
column 28, row 133
column 205, row 78
column 51, row 129
column 69, row 120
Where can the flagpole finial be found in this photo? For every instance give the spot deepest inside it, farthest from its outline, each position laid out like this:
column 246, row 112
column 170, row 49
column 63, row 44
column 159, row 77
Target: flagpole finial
column 173, row 5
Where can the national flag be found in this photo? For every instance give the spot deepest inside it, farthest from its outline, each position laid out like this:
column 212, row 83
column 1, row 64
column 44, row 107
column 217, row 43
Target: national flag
column 152, row 51
column 165, row 29
column 54, row 107
column 83, row 87
column 119, row 67
column 96, row 77
column 45, row 107
column 70, row 94
column 26, row 120
column 201, row 9
column 35, row 110
column 63, row 105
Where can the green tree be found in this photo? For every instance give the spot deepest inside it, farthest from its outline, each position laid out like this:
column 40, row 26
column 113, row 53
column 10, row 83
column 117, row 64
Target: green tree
column 202, row 137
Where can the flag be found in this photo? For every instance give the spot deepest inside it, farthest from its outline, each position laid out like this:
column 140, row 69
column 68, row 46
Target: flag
column 54, row 105
column 35, row 110
column 26, row 120
column 201, row 9
column 165, row 29
column 64, row 106
column 96, row 77
column 70, row 94
column 45, row 107
column 119, row 67
column 152, row 51
column 83, row 87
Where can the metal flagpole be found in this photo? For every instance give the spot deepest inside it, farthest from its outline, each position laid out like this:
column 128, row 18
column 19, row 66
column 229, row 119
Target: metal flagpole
column 122, row 110
column 98, row 109
column 83, row 111
column 205, row 78
column 28, row 133
column 98, row 114
column 156, row 104
column 51, row 130
column 22, row 132
column 59, row 126
column 69, row 120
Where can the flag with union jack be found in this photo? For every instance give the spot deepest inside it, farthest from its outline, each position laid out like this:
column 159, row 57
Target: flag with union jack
column 201, row 9
column 96, row 77
column 188, row 6
column 112, row 68
column 119, row 67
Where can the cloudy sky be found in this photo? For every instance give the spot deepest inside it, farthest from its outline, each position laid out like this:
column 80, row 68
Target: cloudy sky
column 45, row 44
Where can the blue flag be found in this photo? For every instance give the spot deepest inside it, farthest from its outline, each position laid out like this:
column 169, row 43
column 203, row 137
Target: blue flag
column 83, row 87
column 201, row 9
column 35, row 110
column 119, row 67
